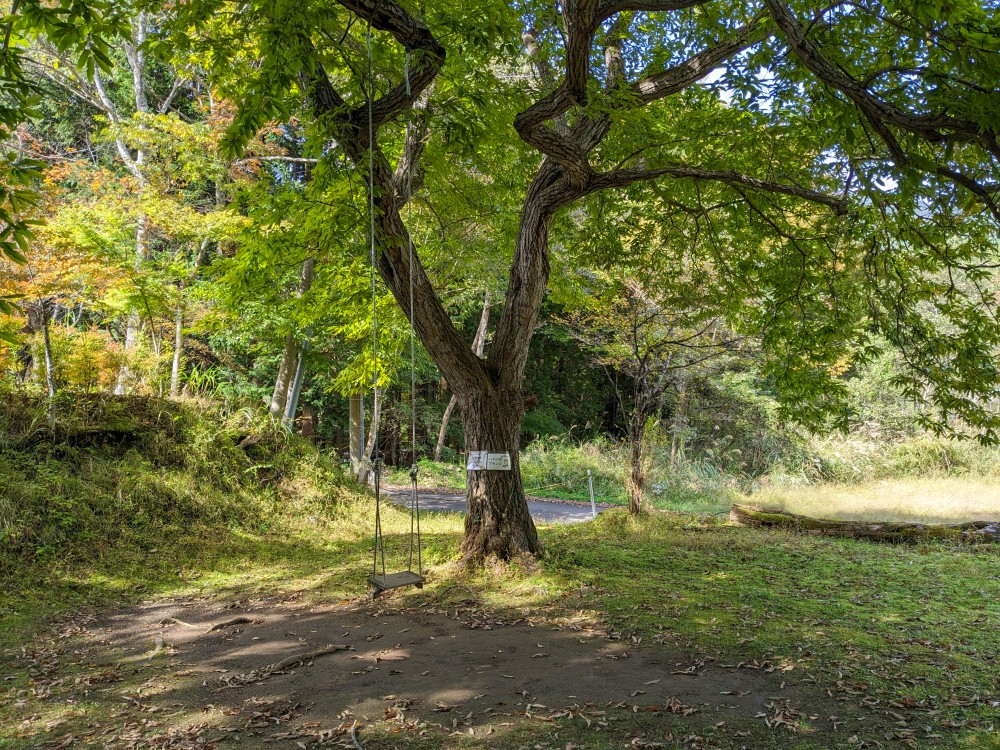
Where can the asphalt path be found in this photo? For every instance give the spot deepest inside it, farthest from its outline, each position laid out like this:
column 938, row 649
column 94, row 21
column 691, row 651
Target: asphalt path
column 549, row 511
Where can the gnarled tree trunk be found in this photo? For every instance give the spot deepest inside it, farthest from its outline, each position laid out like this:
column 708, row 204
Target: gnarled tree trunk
column 497, row 523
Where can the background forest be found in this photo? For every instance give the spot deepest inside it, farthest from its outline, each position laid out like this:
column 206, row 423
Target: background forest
column 163, row 265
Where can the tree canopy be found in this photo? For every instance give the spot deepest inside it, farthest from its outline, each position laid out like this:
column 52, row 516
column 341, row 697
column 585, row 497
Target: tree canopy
column 823, row 177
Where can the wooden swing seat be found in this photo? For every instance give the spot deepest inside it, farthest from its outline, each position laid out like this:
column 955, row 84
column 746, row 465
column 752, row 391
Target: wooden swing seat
column 381, row 584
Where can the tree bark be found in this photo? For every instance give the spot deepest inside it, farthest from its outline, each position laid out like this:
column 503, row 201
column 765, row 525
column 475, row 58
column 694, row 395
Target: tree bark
column 279, row 397
column 287, row 369
column 478, row 343
column 498, row 523
column 175, row 365
column 50, row 380
column 882, row 531
column 637, row 472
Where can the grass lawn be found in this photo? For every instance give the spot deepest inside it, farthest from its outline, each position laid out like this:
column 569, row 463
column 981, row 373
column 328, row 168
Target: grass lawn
column 851, row 644
column 906, row 636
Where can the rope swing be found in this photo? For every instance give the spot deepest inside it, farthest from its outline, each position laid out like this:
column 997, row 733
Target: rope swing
column 383, row 581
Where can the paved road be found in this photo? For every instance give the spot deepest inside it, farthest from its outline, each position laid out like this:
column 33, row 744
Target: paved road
column 541, row 510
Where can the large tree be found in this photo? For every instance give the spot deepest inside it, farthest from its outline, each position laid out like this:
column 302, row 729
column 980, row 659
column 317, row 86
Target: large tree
column 837, row 161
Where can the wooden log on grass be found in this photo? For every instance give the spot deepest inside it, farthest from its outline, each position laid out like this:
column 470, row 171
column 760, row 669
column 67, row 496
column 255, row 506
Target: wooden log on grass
column 881, row 531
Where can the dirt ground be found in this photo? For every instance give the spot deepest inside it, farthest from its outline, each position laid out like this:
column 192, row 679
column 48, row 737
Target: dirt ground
column 418, row 673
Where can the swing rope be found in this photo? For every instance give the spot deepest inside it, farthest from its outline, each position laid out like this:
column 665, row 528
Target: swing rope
column 414, row 469
column 378, row 553
column 376, row 459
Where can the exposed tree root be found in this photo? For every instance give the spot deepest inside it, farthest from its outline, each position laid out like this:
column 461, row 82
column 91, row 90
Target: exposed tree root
column 259, row 675
column 242, row 620
column 175, row 621
column 354, row 736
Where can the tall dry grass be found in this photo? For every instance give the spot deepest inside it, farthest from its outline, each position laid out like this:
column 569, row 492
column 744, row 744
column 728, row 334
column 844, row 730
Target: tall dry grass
column 921, row 500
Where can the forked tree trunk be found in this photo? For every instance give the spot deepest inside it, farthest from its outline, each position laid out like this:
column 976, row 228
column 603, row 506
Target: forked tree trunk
column 478, row 344
column 497, row 523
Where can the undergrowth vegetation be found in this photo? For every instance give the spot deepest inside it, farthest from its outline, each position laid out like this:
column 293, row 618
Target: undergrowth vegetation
column 837, row 476
column 129, row 495
column 140, row 473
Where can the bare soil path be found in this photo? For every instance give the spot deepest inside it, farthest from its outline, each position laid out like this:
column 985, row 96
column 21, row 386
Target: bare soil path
column 431, row 677
column 545, row 509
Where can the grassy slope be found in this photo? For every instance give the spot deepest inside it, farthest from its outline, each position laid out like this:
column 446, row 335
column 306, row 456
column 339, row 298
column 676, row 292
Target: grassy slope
column 187, row 510
column 135, row 497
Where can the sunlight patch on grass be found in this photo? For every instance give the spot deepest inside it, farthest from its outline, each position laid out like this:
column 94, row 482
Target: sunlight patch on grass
column 942, row 500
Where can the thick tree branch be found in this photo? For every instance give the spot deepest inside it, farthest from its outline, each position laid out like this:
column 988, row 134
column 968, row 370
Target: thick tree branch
column 543, row 66
column 607, row 8
column 529, row 273
column 289, row 159
column 427, row 58
column 405, row 179
column 614, row 61
column 168, row 102
column 349, row 128
column 624, row 177
column 934, row 128
column 74, row 88
column 687, row 73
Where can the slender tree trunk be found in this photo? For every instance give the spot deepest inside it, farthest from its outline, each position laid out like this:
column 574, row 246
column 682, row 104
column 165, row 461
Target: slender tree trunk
column 356, row 433
column 637, row 472
column 293, row 397
column 175, row 366
column 132, row 327
column 286, row 370
column 478, row 343
column 498, row 523
column 290, row 358
column 370, row 444
column 50, row 380
column 679, row 422
column 442, row 433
